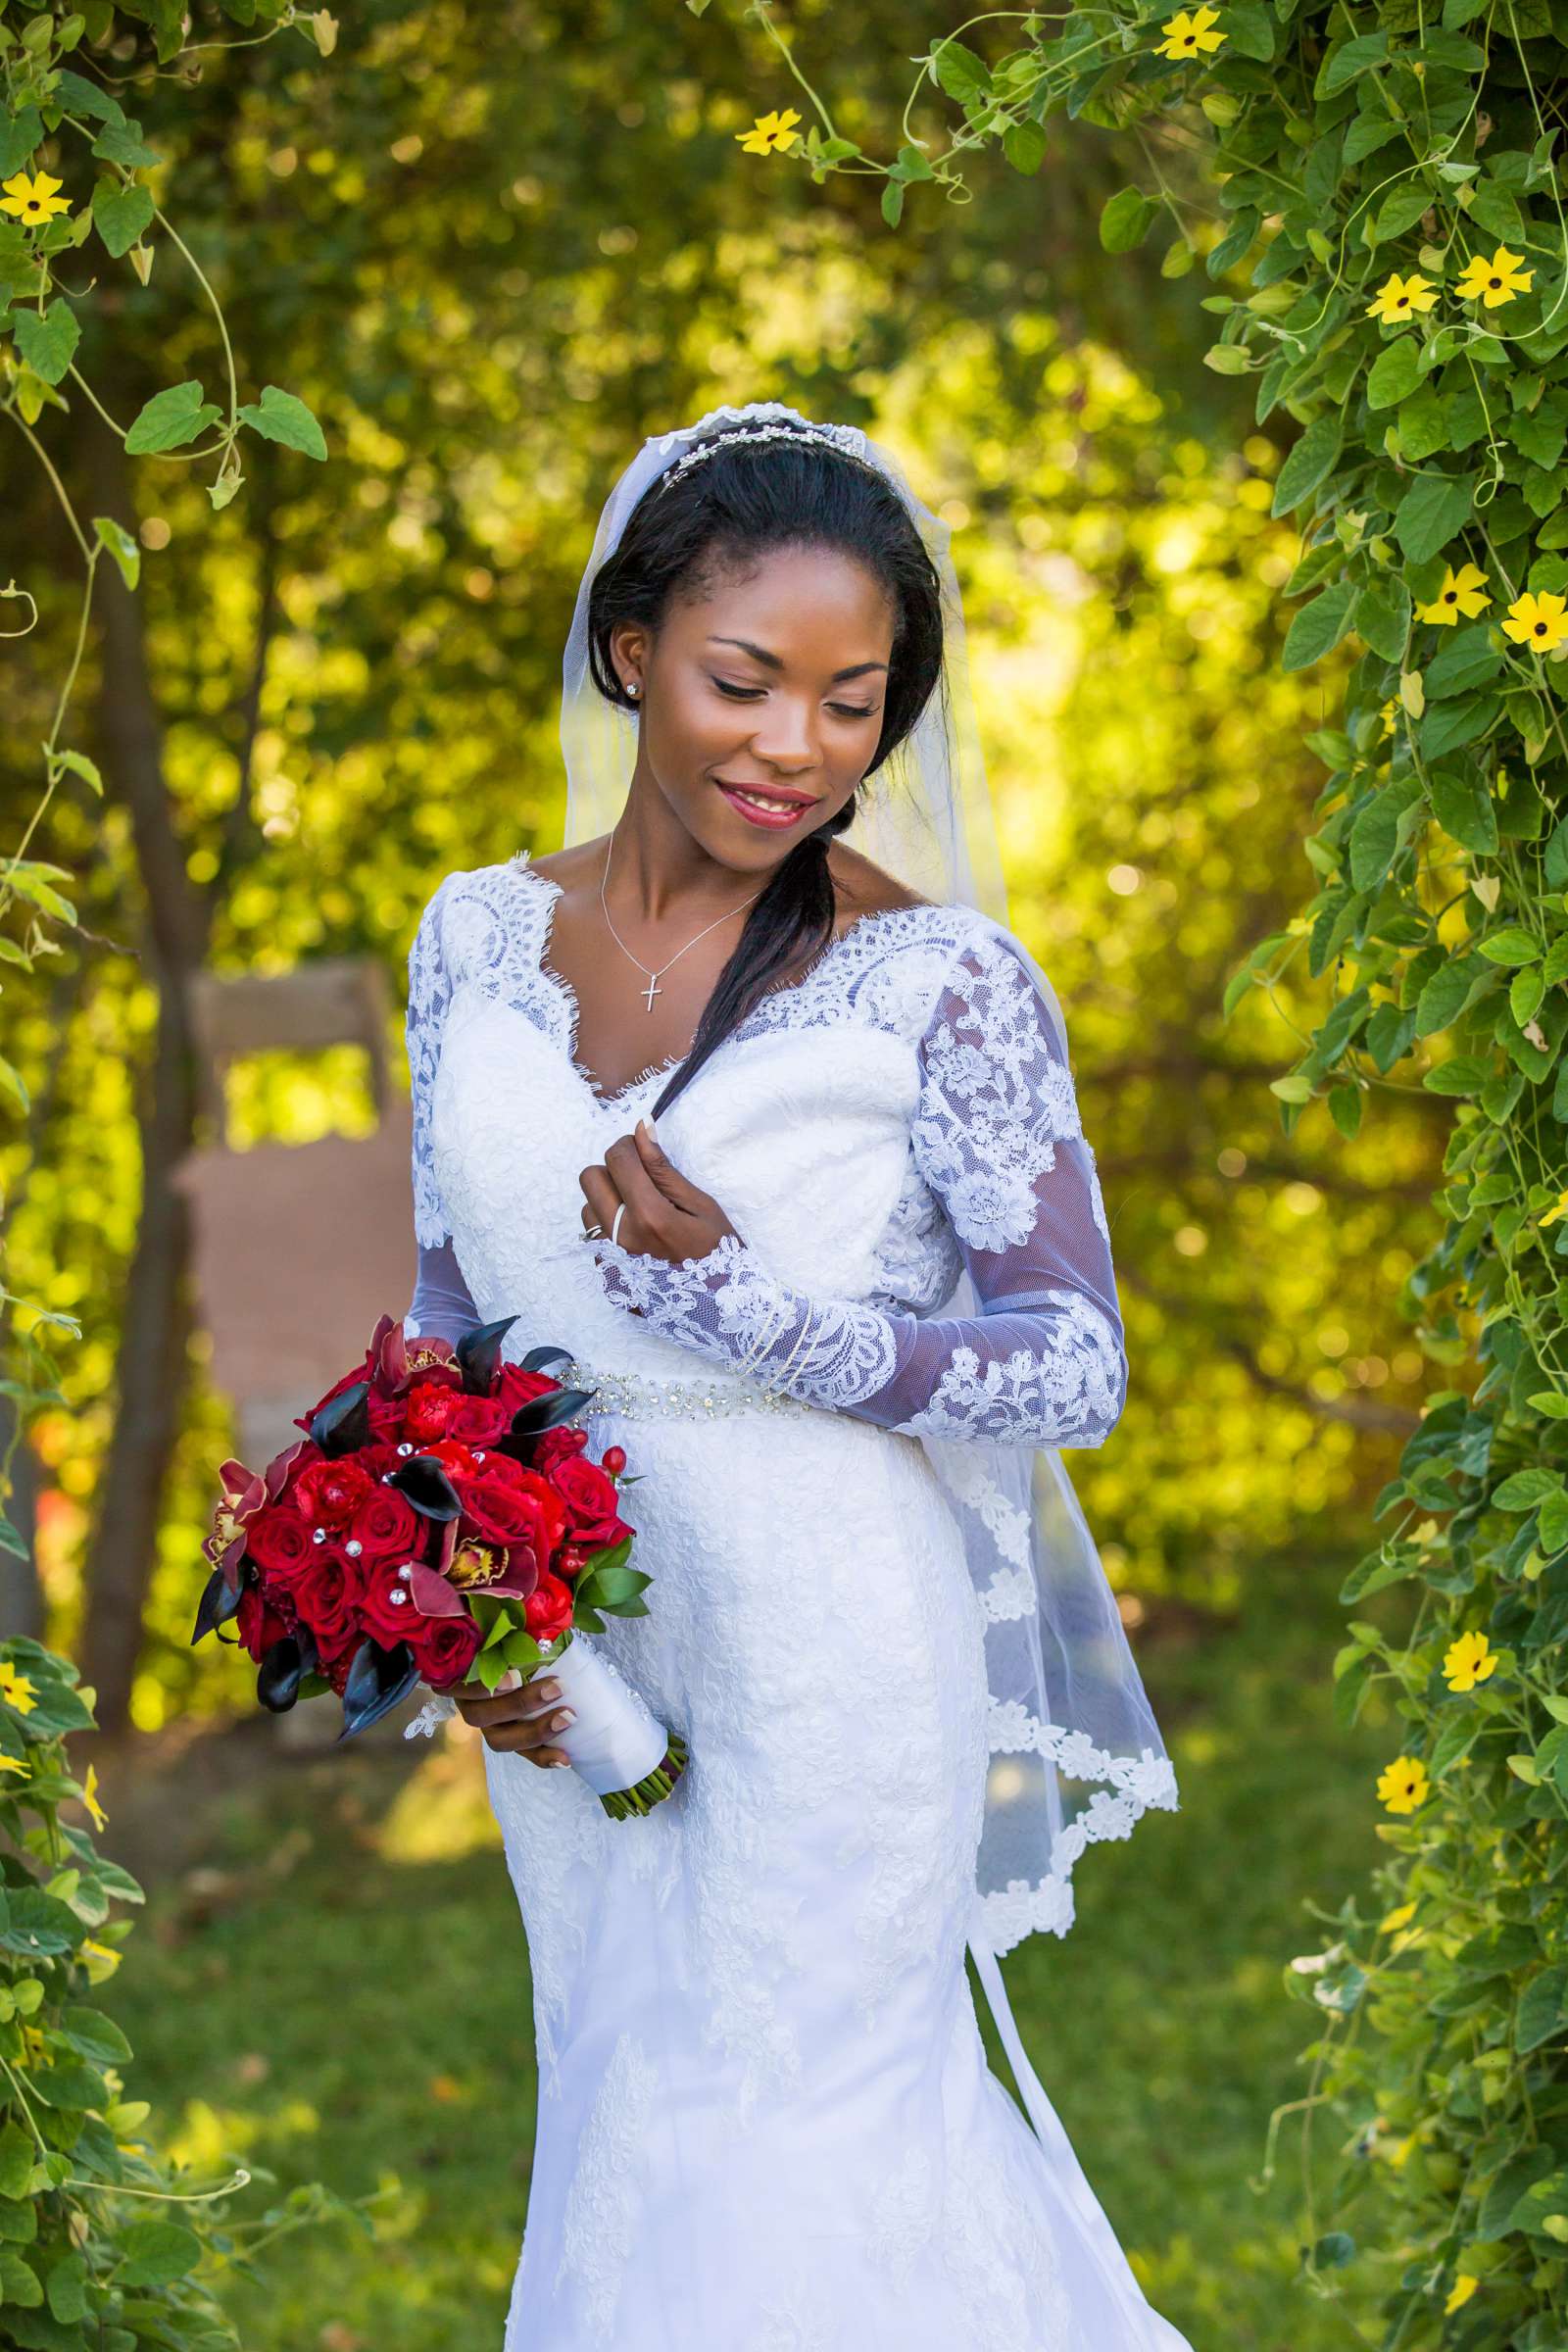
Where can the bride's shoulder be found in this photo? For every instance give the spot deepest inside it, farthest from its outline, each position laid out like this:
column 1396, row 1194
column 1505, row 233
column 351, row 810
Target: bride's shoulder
column 861, row 887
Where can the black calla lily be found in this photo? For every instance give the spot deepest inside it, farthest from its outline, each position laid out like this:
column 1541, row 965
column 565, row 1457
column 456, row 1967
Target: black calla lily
column 283, row 1668
column 219, row 1599
column 376, row 1680
column 479, row 1352
column 343, row 1424
column 427, row 1487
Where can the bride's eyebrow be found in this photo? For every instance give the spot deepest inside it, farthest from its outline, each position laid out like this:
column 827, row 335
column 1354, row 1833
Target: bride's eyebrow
column 775, row 662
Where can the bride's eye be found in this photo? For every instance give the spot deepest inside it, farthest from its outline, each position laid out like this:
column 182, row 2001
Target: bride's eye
column 744, row 693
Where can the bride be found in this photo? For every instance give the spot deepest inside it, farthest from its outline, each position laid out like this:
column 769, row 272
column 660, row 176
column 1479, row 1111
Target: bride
column 750, row 1098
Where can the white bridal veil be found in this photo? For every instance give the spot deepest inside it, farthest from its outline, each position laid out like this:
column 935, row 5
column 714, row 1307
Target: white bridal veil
column 1076, row 1753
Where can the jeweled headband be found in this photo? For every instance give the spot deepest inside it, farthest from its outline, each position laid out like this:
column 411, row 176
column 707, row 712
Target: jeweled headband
column 839, row 437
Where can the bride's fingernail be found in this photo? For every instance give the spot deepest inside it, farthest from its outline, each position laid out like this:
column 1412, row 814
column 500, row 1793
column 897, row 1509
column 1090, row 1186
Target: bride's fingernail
column 649, row 1129
column 511, row 1679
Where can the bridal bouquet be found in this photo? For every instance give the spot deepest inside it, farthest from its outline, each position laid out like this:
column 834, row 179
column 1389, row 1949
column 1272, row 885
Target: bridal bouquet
column 440, row 1522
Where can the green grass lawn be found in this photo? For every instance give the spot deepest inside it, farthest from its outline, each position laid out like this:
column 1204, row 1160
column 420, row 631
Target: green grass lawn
column 331, row 1982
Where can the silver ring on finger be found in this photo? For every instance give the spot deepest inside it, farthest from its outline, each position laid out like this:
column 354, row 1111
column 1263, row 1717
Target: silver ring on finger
column 592, row 1230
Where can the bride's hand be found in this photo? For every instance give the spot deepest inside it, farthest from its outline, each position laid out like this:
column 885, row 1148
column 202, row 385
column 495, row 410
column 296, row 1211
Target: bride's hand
column 517, row 1723
column 666, row 1215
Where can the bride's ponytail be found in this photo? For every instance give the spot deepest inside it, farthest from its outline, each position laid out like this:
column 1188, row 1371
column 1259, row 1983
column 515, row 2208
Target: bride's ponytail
column 734, row 506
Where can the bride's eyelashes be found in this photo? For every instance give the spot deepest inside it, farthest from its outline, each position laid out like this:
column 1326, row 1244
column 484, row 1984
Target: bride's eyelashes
column 746, row 693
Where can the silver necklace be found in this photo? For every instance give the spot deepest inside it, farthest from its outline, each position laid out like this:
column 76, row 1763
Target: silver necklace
column 653, row 989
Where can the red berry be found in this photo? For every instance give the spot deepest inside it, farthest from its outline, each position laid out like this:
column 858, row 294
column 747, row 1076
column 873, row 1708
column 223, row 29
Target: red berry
column 615, row 1459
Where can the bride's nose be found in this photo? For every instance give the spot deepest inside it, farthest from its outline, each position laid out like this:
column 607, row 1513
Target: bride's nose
column 787, row 741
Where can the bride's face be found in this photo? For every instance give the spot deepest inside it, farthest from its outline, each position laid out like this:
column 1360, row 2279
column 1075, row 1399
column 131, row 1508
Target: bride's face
column 772, row 682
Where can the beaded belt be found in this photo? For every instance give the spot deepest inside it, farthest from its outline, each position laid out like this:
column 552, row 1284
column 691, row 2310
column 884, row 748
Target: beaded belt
column 640, row 1394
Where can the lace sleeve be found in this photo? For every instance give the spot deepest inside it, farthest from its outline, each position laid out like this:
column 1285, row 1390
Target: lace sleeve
column 429, row 993
column 997, row 1138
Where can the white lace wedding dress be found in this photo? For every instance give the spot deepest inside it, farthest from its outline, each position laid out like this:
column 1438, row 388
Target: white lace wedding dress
column 765, row 2119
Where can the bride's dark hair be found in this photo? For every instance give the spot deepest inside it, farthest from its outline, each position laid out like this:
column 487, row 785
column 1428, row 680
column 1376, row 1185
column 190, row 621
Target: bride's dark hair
column 731, row 509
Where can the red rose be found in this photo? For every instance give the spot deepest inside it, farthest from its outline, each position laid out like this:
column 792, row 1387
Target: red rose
column 258, row 1623
column 456, row 1457
column 444, row 1650
column 326, row 1600
column 386, row 1415
column 430, row 1411
column 479, row 1420
column 386, row 1526
column 279, row 1541
column 327, row 1493
column 558, row 1445
column 515, row 1506
column 590, row 1500
column 547, row 1611
column 386, row 1608
column 514, row 1387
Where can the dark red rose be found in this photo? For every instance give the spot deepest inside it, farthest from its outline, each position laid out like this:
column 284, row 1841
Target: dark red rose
column 590, row 1500
column 547, row 1611
column 386, row 1415
column 512, row 1506
column 514, row 1387
column 279, row 1541
column 558, row 1445
column 258, row 1623
column 386, row 1608
column 386, row 1526
column 444, row 1650
column 327, row 1493
column 326, row 1600
column 479, row 1420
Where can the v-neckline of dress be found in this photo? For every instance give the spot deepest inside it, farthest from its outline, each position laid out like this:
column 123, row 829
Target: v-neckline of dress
column 567, row 995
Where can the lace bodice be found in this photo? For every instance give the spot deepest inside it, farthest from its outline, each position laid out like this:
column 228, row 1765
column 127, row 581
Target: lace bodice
column 901, row 1115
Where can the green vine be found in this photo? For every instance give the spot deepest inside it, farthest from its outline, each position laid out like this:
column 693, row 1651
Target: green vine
column 1376, row 198
column 103, row 2248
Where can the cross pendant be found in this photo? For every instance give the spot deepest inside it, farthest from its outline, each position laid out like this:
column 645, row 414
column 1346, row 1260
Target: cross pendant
column 652, row 990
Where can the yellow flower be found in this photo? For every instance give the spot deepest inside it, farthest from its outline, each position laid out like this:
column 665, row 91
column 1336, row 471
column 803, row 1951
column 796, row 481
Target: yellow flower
column 1398, row 296
column 770, row 132
column 34, row 200
column 1387, row 715
column 15, row 1689
column 1403, row 1784
column 1462, row 591
column 1460, row 2292
column 1189, row 31
column 1468, row 1661
column 13, row 1763
column 1396, row 1919
column 89, row 1797
column 1560, row 1209
column 1537, row 621
column 1493, row 282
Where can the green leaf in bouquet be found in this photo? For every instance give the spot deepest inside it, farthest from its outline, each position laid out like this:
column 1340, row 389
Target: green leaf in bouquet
column 612, row 1586
column 523, row 1651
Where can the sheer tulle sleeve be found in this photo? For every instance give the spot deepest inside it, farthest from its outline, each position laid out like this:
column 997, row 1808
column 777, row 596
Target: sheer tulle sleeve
column 997, row 1138
column 441, row 1308
column 429, row 993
